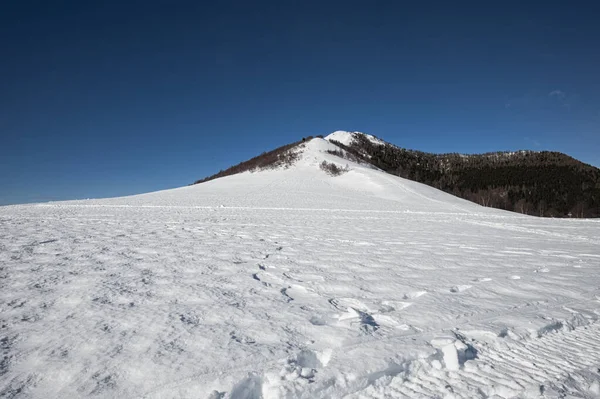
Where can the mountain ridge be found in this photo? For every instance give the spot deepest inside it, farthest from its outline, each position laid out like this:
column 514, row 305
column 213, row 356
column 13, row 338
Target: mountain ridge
column 374, row 139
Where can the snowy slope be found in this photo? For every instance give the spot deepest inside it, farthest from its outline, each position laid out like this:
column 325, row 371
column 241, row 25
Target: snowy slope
column 292, row 283
column 305, row 185
column 347, row 138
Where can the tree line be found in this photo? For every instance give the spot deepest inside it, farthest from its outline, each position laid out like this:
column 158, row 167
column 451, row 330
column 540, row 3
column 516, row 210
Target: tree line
column 542, row 183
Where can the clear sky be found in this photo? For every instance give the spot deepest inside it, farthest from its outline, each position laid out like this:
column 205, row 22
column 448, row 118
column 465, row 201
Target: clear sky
column 119, row 97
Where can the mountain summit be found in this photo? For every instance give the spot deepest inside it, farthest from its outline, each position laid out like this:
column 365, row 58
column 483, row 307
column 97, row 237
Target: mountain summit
column 349, row 138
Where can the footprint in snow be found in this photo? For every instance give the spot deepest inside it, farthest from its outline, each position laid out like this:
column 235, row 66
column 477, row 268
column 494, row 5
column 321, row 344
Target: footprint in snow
column 317, row 321
column 285, row 294
column 256, row 277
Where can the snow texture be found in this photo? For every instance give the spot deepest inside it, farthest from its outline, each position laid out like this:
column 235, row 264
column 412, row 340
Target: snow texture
column 292, row 283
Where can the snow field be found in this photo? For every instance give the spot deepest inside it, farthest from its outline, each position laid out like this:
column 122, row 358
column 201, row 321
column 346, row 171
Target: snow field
column 295, row 284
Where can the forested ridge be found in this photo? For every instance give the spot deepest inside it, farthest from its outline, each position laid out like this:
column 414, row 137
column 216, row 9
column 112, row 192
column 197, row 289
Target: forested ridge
column 541, row 183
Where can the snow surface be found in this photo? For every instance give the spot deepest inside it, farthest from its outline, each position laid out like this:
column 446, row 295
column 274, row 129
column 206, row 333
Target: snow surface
column 293, row 283
column 347, row 138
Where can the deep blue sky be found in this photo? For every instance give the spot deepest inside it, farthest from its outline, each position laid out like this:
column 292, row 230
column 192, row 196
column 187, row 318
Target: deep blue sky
column 113, row 98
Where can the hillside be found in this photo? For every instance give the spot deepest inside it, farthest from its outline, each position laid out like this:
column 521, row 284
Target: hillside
column 302, row 280
column 536, row 183
column 294, row 175
column 290, row 280
column 281, row 156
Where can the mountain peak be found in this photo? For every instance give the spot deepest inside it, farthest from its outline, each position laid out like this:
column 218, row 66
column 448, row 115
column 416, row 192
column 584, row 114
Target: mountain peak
column 347, row 138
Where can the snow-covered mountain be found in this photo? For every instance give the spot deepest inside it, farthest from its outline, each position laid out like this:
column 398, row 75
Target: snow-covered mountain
column 305, row 185
column 291, row 282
